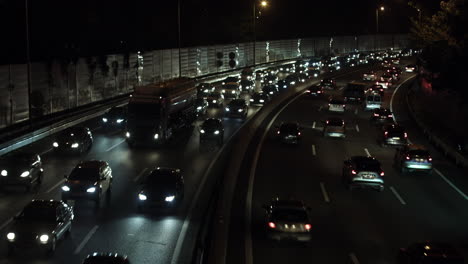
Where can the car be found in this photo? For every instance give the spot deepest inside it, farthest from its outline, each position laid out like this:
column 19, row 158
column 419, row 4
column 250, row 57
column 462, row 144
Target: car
column 286, row 68
column 163, row 187
column 259, row 98
column 41, row 224
column 328, row 84
column 106, row 258
column 236, row 108
column 212, row 129
column 270, row 79
column 270, row 89
column 289, row 132
column 116, row 117
column 201, row 106
column 259, row 74
column 246, row 74
column 215, row 99
column 363, row 172
column 385, row 80
column 393, row 134
column 369, row 76
column 381, row 116
column 24, row 169
column 204, row 90
column 282, row 84
column 231, row 91
column 387, row 62
column 313, row 73
column 430, row 252
column 395, row 61
column 314, row 90
column 303, row 77
column 334, row 127
column 372, row 101
column 395, row 74
column 354, row 92
column 375, row 88
column 73, row 140
column 246, row 86
column 413, row 158
column 287, row 220
column 89, row 180
column 292, row 79
column 231, row 80
column 336, row 105
column 410, row 68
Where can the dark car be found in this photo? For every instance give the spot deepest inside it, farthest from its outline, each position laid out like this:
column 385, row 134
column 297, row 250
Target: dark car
column 89, row 180
column 303, row 77
column 395, row 74
column 116, row 117
column 41, row 224
column 73, row 140
column 364, row 172
column 236, row 108
column 259, row 98
column 354, row 92
column 21, row 169
column 430, row 252
column 328, row 83
column 289, row 132
column 231, row 80
column 376, row 88
column 314, row 90
column 313, row 73
column 334, row 127
column 204, row 90
column 381, row 116
column 259, row 74
column 106, row 258
column 283, row 84
column 201, row 106
column 287, row 220
column 413, row 158
column 212, row 129
column 410, row 68
column 387, row 77
column 161, row 188
column 292, row 79
column 270, row 89
column 247, row 74
column 270, row 79
column 215, row 99
column 393, row 134
column 246, row 86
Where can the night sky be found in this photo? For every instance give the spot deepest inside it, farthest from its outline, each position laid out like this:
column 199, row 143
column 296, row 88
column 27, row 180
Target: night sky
column 90, row 27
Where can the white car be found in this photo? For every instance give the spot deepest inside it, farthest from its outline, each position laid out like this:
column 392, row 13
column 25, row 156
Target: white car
column 335, row 105
column 372, row 101
column 369, row 76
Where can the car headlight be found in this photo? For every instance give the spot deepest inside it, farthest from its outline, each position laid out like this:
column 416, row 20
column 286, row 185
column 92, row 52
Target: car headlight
column 104, row 120
column 25, row 174
column 44, row 238
column 202, row 131
column 4, row 173
column 55, row 144
column 261, row 100
column 11, row 236
column 170, row 198
column 142, row 197
column 240, row 110
column 214, row 101
column 91, row 189
column 271, row 92
column 199, row 107
column 156, row 136
column 233, row 92
column 75, row 145
column 223, row 91
column 216, row 132
column 251, row 100
column 127, row 134
column 120, row 121
column 227, row 109
column 65, row 188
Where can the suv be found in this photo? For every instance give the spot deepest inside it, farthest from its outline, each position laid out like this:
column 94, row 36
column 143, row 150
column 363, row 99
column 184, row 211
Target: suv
column 88, row 180
column 21, row 169
column 236, row 108
column 287, row 219
column 393, row 134
column 413, row 158
column 360, row 171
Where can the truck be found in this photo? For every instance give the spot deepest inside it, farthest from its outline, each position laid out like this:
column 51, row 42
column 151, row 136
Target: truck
column 354, row 92
column 157, row 111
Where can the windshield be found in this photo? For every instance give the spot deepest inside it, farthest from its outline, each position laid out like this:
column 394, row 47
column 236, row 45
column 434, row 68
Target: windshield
column 211, row 123
column 419, row 153
column 237, row 102
column 369, row 165
column 289, row 215
column 139, row 109
column 288, row 128
column 39, row 213
column 84, row 174
column 335, row 122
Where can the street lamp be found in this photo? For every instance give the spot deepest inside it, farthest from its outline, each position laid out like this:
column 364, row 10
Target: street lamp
column 263, row 3
column 381, row 8
column 178, row 37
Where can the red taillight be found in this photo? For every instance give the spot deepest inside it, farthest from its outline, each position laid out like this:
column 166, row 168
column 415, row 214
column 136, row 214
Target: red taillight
column 406, row 135
column 344, row 105
column 376, row 114
column 271, row 225
column 408, row 158
column 390, row 115
column 298, row 133
column 429, row 159
column 386, row 133
column 308, row 226
column 278, row 132
column 319, row 91
column 382, row 174
column 353, row 172
column 308, row 91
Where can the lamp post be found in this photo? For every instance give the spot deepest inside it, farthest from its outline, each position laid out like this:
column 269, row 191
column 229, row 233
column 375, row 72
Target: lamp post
column 263, row 3
column 28, row 61
column 178, row 36
column 381, row 8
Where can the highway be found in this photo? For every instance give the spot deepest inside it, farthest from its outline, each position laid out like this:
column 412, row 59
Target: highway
column 359, row 226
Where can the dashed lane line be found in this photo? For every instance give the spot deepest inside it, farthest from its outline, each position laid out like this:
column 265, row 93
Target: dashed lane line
column 114, row 146
column 357, row 128
column 367, row 152
column 86, row 239
column 451, row 184
column 314, row 152
column 140, row 174
column 324, row 192
column 398, row 196
column 55, row 186
column 354, row 259
column 313, row 125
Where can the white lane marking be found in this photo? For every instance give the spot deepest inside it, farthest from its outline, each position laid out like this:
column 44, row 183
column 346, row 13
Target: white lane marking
column 140, row 174
column 114, row 146
column 394, row 191
column 46, row 151
column 7, row 222
column 314, row 152
column 55, row 186
column 354, row 259
column 356, row 111
column 324, row 192
column 86, row 239
column 393, row 95
column 357, row 128
column 367, row 152
column 248, row 206
column 313, row 125
column 451, row 184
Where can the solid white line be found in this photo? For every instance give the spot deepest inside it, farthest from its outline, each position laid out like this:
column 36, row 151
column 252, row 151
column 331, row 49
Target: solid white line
column 140, row 174
column 111, row 148
column 393, row 95
column 394, row 191
column 86, row 239
column 451, row 184
column 313, row 125
column 7, row 222
column 313, row 150
column 248, row 206
column 55, row 186
column 367, row 152
column 357, row 128
column 354, row 258
column 96, row 128
column 324, row 192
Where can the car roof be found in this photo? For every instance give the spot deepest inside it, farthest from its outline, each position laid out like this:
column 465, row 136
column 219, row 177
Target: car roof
column 237, row 101
column 40, row 203
column 212, row 120
column 416, row 147
column 90, row 164
column 287, row 204
column 394, row 127
column 335, row 119
column 165, row 171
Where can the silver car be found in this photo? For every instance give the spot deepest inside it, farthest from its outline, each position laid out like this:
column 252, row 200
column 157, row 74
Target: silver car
column 363, row 172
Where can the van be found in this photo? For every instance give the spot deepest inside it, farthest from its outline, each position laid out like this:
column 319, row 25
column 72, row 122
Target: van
column 372, row 101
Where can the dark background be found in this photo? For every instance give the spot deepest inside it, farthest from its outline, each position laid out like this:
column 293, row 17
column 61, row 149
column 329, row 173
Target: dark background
column 90, row 27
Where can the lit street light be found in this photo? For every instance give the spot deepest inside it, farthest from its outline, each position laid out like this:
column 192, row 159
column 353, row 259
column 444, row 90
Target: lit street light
column 263, row 3
column 381, row 8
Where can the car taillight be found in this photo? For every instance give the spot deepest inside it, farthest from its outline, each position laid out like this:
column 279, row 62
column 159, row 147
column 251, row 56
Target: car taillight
column 429, row 159
column 298, row 133
column 308, row 226
column 390, row 115
column 308, row 91
column 406, row 135
column 386, row 133
column 278, row 132
column 408, row 158
column 382, row 174
column 353, row 172
column 376, row 114
column 271, row 225
column 319, row 91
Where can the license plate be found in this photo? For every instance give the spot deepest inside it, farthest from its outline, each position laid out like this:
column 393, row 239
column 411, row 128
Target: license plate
column 396, row 138
column 368, row 176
